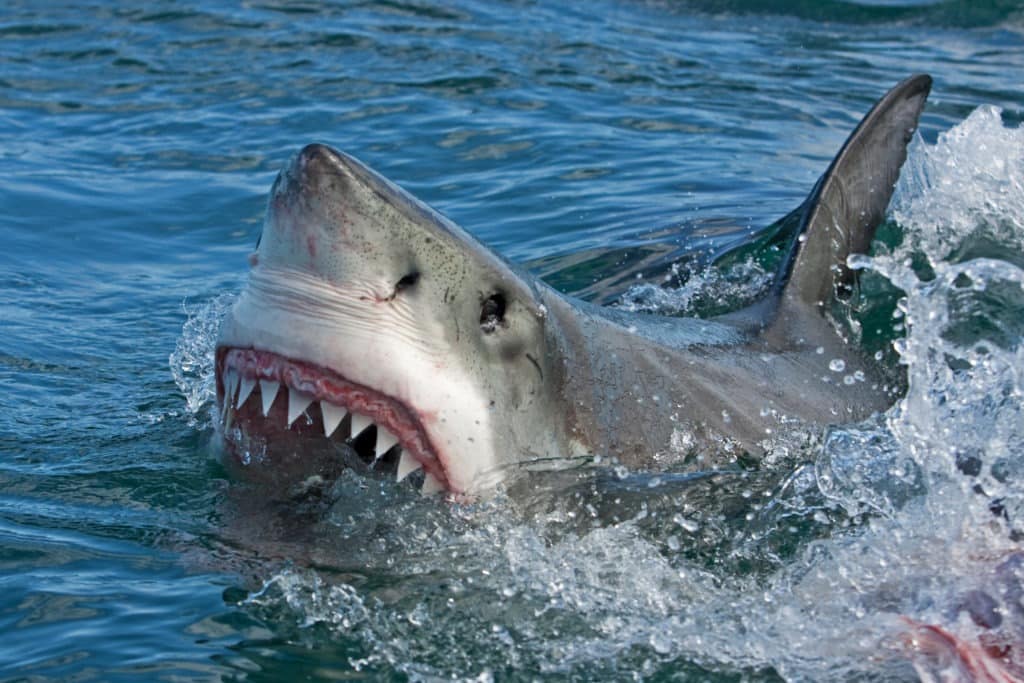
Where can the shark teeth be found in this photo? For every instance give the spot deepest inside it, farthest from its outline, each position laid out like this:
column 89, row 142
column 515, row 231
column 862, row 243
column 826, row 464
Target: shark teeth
column 359, row 424
column 406, row 466
column 230, row 387
column 244, row 390
column 385, row 440
column 268, row 390
column 239, row 389
column 298, row 401
column 333, row 415
column 431, row 485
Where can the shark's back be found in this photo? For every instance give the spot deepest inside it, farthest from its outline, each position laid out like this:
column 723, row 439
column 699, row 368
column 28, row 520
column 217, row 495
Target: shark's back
column 736, row 377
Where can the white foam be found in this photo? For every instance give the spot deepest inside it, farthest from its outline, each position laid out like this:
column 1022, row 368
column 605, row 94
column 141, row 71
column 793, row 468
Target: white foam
column 971, row 179
column 192, row 361
column 710, row 288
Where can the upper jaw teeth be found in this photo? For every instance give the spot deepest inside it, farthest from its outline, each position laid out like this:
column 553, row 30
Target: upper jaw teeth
column 230, row 389
column 406, row 466
column 245, row 389
column 360, row 423
column 268, row 391
column 431, row 484
column 385, row 440
column 298, row 401
column 333, row 415
column 238, row 390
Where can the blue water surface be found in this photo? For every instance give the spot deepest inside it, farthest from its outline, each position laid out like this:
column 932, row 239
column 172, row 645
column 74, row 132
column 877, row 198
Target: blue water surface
column 596, row 143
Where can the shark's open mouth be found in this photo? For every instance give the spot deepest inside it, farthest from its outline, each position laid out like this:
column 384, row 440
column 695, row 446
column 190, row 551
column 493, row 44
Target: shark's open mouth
column 263, row 395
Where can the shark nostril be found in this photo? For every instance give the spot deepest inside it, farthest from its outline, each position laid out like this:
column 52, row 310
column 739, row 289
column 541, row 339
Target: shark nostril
column 407, row 281
column 403, row 284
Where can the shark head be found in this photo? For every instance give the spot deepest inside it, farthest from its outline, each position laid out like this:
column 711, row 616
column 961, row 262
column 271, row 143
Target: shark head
column 372, row 324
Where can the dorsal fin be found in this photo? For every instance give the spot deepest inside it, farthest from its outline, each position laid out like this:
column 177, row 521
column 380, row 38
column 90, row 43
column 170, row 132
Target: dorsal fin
column 848, row 203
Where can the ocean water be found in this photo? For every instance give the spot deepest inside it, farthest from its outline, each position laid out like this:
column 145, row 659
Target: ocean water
column 616, row 148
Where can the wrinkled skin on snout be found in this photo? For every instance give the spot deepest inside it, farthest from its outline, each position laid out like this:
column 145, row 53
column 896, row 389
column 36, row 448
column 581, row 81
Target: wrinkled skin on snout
column 365, row 306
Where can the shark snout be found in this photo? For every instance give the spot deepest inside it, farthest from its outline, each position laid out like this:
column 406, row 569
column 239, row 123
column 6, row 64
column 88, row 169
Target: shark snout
column 316, row 153
column 332, row 217
column 327, row 173
column 317, row 173
column 315, row 161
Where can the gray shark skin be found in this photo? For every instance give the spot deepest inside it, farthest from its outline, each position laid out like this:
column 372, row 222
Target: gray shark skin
column 373, row 329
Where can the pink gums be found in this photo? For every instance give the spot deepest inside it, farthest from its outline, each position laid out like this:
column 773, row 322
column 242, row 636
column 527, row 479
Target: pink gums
column 328, row 385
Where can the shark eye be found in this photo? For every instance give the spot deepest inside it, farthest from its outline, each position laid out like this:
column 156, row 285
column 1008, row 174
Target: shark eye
column 492, row 313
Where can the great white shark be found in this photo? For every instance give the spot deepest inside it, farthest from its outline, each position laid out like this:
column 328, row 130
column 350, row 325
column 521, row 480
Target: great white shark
column 374, row 331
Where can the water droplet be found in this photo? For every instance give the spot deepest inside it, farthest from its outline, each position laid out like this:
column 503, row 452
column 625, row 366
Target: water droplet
column 687, row 524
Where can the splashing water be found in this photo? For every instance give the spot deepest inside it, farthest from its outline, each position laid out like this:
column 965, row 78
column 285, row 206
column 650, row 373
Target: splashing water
column 964, row 196
column 832, row 566
column 192, row 361
column 712, row 289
